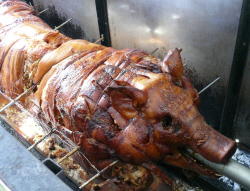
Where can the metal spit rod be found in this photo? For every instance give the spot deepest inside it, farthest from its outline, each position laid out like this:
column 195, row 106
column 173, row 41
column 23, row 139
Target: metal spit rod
column 69, row 154
column 99, row 40
column 72, row 143
column 42, row 11
column 233, row 170
column 40, row 140
column 56, row 28
column 36, row 5
column 13, row 101
column 98, row 174
column 154, row 51
column 209, row 85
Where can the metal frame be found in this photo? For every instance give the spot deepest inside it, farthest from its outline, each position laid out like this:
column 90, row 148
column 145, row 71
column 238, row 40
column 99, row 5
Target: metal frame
column 102, row 15
column 237, row 71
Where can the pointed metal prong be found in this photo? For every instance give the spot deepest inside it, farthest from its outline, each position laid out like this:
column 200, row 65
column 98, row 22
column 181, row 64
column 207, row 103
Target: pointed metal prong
column 209, row 85
column 68, row 155
column 36, row 6
column 154, row 51
column 40, row 140
column 56, row 28
column 68, row 140
column 42, row 11
column 13, row 101
column 98, row 174
column 99, row 40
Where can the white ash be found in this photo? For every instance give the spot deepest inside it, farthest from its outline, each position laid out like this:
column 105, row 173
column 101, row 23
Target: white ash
column 243, row 158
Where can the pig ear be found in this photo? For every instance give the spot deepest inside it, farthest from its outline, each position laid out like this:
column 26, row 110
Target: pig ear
column 172, row 64
column 127, row 100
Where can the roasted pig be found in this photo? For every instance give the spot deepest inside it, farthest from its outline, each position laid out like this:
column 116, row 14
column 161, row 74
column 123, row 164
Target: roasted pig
column 115, row 104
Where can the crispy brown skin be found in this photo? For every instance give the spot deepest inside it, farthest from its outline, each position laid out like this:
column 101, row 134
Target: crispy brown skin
column 114, row 103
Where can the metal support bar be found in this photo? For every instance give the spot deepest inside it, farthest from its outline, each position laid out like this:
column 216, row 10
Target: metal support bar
column 102, row 15
column 233, row 170
column 237, row 71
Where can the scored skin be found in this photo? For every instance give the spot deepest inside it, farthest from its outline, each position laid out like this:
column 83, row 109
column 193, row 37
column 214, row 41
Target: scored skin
column 30, row 39
column 64, row 51
column 28, row 48
column 25, row 40
column 136, row 137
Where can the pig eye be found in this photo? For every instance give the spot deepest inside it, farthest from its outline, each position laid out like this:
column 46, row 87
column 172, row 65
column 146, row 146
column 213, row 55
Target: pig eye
column 166, row 122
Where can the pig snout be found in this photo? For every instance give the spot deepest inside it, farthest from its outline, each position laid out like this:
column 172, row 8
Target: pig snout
column 212, row 145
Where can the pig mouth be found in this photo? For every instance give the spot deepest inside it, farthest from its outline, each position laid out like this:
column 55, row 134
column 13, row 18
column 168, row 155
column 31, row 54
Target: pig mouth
column 182, row 158
column 203, row 169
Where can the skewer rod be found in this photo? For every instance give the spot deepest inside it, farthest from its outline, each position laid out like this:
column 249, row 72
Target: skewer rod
column 99, row 40
column 209, row 85
column 13, row 101
column 56, row 28
column 154, row 51
column 40, row 140
column 233, row 170
column 36, row 5
column 69, row 154
column 42, row 11
column 69, row 141
column 98, row 174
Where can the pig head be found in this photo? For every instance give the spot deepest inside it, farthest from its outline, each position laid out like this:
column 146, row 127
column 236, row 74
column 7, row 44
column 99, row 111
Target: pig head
column 159, row 118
